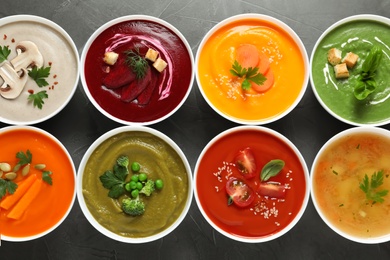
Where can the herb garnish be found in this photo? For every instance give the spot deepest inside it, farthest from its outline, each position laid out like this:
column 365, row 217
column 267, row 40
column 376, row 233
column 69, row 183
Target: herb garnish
column 369, row 187
column 4, row 52
column 46, row 177
column 271, row 169
column 366, row 83
column 7, row 185
column 115, row 180
column 249, row 74
column 138, row 64
column 24, row 158
column 39, row 75
column 37, row 98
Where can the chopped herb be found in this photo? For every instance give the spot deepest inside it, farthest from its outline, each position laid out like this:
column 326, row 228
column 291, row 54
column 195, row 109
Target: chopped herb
column 358, row 146
column 341, row 205
column 24, row 158
column 4, row 52
column 366, row 83
column 37, row 98
column 137, row 63
column 39, row 75
column 370, row 187
column 336, row 173
column 250, row 74
column 271, row 169
column 7, row 186
column 46, row 177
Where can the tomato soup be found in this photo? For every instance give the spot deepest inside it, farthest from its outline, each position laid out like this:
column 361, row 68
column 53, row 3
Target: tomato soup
column 339, row 171
column 171, row 85
column 223, row 91
column 264, row 217
column 51, row 203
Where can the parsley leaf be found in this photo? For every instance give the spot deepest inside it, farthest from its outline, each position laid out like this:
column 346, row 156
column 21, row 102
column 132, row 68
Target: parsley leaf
column 249, row 74
column 115, row 180
column 366, row 84
column 4, row 52
column 46, row 177
column 24, row 158
column 6, row 185
column 39, row 75
column 37, row 98
column 369, row 187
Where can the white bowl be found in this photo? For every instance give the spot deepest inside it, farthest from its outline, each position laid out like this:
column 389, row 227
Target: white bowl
column 224, row 95
column 358, row 166
column 128, row 148
column 340, row 101
column 63, row 172
column 59, row 50
column 160, row 35
column 250, row 224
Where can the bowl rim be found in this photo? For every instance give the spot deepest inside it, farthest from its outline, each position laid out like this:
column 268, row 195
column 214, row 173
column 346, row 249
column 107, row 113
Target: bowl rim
column 65, row 151
column 349, row 131
column 79, row 186
column 352, row 18
column 281, row 138
column 286, row 28
column 129, row 18
column 73, row 48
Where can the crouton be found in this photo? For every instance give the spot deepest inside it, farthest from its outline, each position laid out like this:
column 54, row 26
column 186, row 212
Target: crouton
column 151, row 55
column 110, row 57
column 334, row 56
column 350, row 59
column 341, row 71
column 159, row 64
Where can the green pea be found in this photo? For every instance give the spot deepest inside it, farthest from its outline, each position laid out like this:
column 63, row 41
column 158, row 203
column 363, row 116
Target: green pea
column 133, row 185
column 139, row 185
column 134, row 193
column 135, row 167
column 159, row 184
column 128, row 186
column 142, row 177
column 135, row 178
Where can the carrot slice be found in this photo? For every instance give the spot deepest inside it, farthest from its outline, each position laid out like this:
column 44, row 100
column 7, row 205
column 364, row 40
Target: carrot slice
column 247, row 55
column 10, row 200
column 24, row 202
column 264, row 63
column 267, row 84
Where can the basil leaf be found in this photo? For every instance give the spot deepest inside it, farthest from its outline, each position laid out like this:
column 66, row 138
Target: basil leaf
column 271, row 169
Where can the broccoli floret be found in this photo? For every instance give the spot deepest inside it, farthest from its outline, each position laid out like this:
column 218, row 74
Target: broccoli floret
column 148, row 188
column 133, row 207
column 123, row 161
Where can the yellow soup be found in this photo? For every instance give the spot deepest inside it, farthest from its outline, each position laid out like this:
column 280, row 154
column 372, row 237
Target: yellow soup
column 224, row 91
column 337, row 176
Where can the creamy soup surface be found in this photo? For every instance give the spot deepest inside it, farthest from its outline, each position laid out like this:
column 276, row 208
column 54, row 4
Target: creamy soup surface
column 337, row 176
column 57, row 53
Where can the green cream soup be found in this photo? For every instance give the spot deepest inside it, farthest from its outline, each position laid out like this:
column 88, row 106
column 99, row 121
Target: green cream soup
column 159, row 161
column 358, row 37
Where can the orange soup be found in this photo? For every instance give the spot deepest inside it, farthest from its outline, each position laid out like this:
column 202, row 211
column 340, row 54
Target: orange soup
column 337, row 174
column 224, row 91
column 47, row 204
column 265, row 216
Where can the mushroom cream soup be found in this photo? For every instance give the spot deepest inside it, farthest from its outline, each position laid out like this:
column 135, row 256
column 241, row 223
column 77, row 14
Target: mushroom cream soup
column 159, row 161
column 338, row 174
column 56, row 52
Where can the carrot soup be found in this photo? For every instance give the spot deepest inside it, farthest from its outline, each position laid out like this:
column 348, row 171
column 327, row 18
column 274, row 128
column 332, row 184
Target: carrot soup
column 350, row 178
column 271, row 50
column 45, row 179
column 268, row 208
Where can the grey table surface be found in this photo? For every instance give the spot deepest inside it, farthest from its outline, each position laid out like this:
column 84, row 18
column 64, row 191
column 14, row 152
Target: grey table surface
column 308, row 126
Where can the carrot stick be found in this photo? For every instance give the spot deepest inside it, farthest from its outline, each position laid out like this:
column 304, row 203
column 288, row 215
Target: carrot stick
column 24, row 202
column 247, row 55
column 10, row 200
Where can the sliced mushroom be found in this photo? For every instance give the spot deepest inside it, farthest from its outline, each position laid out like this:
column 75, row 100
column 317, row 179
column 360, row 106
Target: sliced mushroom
column 13, row 82
column 28, row 56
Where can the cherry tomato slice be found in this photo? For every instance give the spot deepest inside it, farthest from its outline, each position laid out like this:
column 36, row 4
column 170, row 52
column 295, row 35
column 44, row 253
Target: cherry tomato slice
column 245, row 163
column 239, row 192
column 272, row 189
